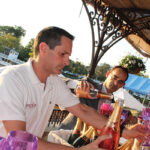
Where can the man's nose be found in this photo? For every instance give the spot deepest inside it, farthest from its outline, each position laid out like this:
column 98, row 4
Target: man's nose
column 67, row 62
column 116, row 82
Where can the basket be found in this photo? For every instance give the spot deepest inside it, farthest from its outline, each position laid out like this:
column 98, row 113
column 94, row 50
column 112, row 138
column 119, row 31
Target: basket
column 57, row 117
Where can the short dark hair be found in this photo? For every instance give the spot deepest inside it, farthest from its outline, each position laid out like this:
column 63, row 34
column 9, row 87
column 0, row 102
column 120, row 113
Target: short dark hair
column 51, row 36
column 125, row 70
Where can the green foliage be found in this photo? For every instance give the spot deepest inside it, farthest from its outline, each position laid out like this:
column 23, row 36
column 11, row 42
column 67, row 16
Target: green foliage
column 133, row 64
column 100, row 73
column 27, row 51
column 15, row 31
column 76, row 67
column 11, row 37
column 9, row 41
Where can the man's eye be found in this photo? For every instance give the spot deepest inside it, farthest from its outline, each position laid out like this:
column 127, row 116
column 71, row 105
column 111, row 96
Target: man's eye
column 121, row 82
column 115, row 77
column 62, row 54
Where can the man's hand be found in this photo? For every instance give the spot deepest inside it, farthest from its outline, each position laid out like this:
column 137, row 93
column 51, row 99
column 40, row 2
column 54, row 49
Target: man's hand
column 86, row 86
column 83, row 89
column 95, row 145
column 136, row 131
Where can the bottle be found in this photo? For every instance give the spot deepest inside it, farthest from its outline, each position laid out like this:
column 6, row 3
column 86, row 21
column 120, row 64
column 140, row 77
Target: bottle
column 94, row 135
column 104, row 96
column 127, row 145
column 136, row 144
column 92, row 95
column 112, row 127
column 84, row 139
column 95, row 93
column 85, row 128
column 76, row 132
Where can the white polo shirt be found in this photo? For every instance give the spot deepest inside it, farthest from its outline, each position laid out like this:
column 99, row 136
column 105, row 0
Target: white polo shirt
column 23, row 97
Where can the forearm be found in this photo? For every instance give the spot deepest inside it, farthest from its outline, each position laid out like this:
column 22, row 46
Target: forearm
column 90, row 116
column 44, row 145
column 94, row 118
column 136, row 131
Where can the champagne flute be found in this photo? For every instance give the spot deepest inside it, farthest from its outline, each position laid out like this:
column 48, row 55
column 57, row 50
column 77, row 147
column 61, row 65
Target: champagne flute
column 146, row 121
column 21, row 140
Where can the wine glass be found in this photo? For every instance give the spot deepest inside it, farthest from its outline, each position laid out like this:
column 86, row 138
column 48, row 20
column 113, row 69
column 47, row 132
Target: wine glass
column 146, row 121
column 20, row 140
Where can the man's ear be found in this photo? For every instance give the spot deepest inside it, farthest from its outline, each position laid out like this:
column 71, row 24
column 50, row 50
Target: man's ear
column 123, row 84
column 43, row 48
column 107, row 74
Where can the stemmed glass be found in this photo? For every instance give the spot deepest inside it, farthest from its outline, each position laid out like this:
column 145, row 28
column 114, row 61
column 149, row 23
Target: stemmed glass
column 20, row 140
column 146, row 121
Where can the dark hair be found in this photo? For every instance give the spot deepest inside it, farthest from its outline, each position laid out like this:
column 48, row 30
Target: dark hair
column 51, row 36
column 125, row 70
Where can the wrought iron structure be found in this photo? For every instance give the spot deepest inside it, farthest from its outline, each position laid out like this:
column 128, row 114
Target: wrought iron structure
column 109, row 25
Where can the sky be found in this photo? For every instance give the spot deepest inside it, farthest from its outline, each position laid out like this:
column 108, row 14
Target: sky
column 34, row 15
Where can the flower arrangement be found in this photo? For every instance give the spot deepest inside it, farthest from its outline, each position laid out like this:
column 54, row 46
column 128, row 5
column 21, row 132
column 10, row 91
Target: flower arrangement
column 133, row 64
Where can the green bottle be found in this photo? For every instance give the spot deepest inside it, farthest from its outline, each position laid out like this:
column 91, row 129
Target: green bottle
column 76, row 132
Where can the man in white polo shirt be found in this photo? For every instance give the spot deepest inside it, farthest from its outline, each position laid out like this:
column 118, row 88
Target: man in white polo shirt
column 29, row 91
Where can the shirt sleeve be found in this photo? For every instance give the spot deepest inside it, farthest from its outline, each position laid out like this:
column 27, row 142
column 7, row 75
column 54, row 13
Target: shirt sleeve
column 11, row 97
column 63, row 95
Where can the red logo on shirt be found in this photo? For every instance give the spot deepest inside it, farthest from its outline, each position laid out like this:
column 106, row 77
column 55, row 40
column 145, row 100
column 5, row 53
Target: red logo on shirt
column 30, row 105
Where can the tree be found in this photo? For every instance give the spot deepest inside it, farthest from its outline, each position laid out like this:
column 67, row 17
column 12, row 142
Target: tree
column 15, row 31
column 9, row 41
column 10, row 37
column 27, row 51
column 100, row 72
column 30, row 47
column 76, row 67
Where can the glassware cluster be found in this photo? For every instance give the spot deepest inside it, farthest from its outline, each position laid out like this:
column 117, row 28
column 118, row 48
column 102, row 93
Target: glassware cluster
column 19, row 140
column 146, row 121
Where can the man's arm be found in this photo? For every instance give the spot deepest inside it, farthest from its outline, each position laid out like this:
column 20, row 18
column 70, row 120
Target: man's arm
column 135, row 131
column 21, row 125
column 43, row 145
column 88, row 115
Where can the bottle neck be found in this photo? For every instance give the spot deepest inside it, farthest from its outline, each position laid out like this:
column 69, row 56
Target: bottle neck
column 88, row 133
column 126, row 145
column 95, row 134
column 85, row 128
column 116, row 114
column 77, row 128
column 104, row 96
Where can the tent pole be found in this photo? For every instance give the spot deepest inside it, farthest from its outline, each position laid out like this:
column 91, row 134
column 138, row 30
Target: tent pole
column 144, row 99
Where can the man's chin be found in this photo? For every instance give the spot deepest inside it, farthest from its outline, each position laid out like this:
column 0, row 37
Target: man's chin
column 59, row 72
column 111, row 90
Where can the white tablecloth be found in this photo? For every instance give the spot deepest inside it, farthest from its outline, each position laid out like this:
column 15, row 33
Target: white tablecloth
column 59, row 136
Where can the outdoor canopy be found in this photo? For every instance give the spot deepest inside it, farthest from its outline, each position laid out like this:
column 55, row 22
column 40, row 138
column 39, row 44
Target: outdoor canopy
column 129, row 100
column 138, row 84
